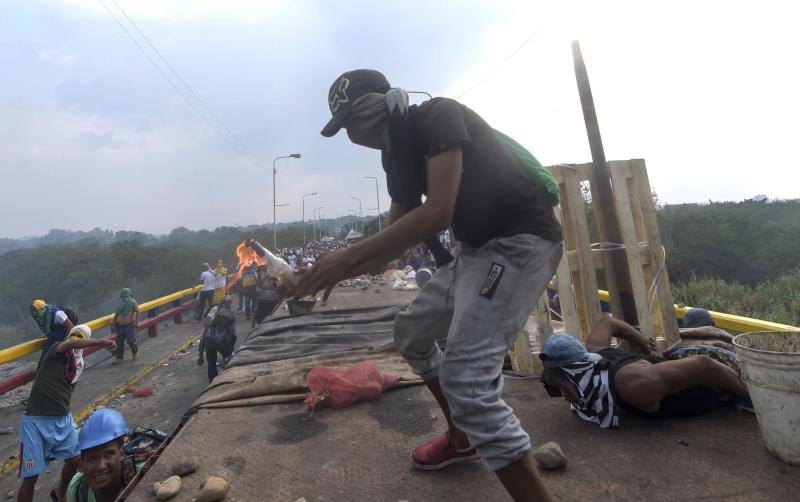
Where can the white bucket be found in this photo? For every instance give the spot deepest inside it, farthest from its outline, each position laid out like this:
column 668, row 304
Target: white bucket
column 770, row 366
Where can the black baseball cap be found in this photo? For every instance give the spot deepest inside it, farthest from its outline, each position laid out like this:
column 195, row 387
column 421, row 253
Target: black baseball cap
column 346, row 89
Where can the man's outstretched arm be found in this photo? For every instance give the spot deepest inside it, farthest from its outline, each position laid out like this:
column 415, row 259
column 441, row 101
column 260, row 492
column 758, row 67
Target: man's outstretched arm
column 85, row 343
column 608, row 327
column 434, row 215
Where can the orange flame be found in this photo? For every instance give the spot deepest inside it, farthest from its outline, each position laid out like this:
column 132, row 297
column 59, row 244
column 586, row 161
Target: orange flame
column 247, row 256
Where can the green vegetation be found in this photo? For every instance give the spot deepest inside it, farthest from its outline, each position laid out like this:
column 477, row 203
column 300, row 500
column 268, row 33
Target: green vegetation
column 739, row 258
column 88, row 275
column 745, row 242
column 776, row 300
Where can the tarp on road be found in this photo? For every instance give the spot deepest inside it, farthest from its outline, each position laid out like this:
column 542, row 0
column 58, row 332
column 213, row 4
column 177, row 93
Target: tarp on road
column 271, row 365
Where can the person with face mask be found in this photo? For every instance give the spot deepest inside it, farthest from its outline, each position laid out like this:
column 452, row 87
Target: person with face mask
column 104, row 469
column 124, row 325
column 509, row 244
column 53, row 322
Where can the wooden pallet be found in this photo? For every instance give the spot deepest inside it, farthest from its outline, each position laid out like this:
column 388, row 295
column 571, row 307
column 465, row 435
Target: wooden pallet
column 577, row 271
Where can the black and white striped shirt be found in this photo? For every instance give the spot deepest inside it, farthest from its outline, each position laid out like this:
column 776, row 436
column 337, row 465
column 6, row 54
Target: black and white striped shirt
column 596, row 402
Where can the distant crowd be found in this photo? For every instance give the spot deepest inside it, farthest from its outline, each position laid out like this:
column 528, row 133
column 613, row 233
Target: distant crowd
column 306, row 255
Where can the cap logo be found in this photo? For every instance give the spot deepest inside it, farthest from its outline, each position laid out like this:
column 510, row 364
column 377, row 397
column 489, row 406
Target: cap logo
column 338, row 95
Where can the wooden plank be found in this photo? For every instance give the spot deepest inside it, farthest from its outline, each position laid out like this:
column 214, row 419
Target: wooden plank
column 622, row 204
column 583, row 171
column 586, row 288
column 520, row 354
column 664, row 291
column 566, row 297
column 570, row 237
column 543, row 329
column 641, row 234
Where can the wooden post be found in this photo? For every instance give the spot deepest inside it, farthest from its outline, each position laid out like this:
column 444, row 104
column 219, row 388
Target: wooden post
column 616, row 267
column 152, row 331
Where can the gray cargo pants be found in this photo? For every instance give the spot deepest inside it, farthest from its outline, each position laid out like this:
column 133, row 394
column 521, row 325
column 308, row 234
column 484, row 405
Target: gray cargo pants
column 479, row 302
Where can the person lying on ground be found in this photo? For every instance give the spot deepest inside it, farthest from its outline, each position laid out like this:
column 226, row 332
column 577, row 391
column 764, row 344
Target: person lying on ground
column 597, row 378
column 124, row 325
column 46, row 430
column 219, row 335
column 699, row 328
column 104, row 469
column 509, row 245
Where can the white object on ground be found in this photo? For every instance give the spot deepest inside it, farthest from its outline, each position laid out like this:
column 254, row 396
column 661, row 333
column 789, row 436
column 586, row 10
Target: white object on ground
column 770, row 366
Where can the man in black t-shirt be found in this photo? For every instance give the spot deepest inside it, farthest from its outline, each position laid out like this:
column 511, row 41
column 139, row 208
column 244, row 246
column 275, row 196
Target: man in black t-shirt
column 509, row 244
column 46, row 430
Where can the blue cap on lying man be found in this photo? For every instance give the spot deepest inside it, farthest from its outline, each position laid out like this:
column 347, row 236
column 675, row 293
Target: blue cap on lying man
column 697, row 318
column 561, row 350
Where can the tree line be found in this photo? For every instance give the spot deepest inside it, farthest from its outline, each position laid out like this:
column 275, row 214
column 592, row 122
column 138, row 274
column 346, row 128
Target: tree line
column 740, row 258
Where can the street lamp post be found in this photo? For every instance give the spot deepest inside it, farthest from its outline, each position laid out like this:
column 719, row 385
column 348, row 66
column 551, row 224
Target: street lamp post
column 355, row 218
column 274, row 204
column 314, row 220
column 319, row 220
column 373, row 178
column 304, row 214
column 360, row 211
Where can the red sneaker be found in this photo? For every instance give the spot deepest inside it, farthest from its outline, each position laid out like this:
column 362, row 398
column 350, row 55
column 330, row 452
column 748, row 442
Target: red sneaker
column 439, row 453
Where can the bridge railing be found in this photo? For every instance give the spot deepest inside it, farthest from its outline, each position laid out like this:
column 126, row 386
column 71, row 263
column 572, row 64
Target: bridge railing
column 728, row 321
column 149, row 309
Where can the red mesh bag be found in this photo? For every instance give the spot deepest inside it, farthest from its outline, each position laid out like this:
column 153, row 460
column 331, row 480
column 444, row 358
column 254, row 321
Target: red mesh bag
column 145, row 391
column 340, row 387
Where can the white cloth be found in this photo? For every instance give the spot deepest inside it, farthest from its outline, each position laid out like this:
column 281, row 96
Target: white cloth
column 208, row 280
column 60, row 317
column 77, row 354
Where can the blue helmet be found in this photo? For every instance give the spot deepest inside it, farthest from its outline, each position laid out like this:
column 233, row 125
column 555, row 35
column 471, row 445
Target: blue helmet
column 102, row 426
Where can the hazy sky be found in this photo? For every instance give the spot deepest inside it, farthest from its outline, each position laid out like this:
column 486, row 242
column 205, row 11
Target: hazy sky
column 92, row 135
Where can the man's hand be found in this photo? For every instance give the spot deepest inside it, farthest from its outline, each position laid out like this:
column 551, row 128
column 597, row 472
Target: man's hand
column 200, row 361
column 111, row 345
column 653, row 346
column 423, row 222
column 326, row 273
